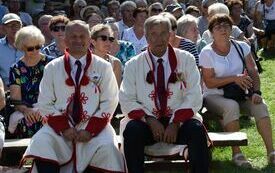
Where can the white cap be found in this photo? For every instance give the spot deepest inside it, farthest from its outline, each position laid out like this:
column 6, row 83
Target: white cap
column 10, row 17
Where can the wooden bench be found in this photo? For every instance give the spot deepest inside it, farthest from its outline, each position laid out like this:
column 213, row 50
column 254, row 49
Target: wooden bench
column 15, row 148
column 13, row 151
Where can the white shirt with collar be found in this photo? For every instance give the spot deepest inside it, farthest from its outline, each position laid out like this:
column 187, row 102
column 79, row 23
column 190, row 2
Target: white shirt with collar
column 166, row 65
column 74, row 66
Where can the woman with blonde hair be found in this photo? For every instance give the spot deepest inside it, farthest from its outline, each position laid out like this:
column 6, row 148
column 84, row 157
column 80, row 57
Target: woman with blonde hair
column 25, row 77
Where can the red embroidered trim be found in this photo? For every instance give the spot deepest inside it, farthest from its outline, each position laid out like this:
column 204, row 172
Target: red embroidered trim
column 96, row 125
column 152, row 95
column 173, row 65
column 156, row 112
column 58, row 122
column 182, row 115
column 169, row 93
column 83, row 98
column 136, row 114
column 85, row 79
column 70, row 98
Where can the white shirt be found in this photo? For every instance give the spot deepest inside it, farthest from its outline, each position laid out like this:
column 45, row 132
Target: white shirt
column 139, row 44
column 269, row 11
column 229, row 65
column 121, row 27
column 74, row 66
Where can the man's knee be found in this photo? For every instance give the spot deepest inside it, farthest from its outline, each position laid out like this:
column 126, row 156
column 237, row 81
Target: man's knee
column 135, row 129
column 194, row 127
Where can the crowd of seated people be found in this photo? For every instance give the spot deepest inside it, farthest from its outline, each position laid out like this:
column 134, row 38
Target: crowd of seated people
column 222, row 36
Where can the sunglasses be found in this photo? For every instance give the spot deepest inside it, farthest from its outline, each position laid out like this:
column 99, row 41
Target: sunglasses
column 156, row 10
column 105, row 38
column 37, row 47
column 58, row 28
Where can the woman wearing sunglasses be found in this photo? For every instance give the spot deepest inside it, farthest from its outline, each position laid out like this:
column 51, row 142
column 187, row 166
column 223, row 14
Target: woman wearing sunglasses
column 102, row 39
column 123, row 50
column 57, row 26
column 25, row 77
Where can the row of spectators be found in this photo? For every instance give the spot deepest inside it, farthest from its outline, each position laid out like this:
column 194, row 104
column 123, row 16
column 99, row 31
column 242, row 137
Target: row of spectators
column 117, row 34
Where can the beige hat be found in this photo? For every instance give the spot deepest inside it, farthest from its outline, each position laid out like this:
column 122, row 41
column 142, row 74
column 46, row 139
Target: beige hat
column 10, row 17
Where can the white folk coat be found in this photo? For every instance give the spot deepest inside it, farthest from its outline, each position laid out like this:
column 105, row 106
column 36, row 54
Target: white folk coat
column 137, row 94
column 99, row 99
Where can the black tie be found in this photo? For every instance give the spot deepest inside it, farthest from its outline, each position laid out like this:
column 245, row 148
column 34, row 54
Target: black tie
column 78, row 71
column 76, row 103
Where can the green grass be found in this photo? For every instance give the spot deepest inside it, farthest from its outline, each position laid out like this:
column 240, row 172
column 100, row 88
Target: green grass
column 255, row 151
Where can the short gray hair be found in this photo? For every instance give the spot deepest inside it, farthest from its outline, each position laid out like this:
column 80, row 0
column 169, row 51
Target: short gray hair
column 168, row 2
column 80, row 1
column 27, row 33
column 138, row 2
column 113, row 2
column 172, row 19
column 155, row 4
column 126, row 4
column 184, row 23
column 44, row 17
column 77, row 22
column 156, row 20
column 218, row 8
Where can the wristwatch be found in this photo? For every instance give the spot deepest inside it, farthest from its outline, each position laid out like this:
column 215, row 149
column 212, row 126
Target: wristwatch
column 257, row 92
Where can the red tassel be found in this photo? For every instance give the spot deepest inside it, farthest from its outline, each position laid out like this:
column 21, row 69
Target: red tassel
column 181, row 86
column 95, row 90
column 85, row 80
column 69, row 81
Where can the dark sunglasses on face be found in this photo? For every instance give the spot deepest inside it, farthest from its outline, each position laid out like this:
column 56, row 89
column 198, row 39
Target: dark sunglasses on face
column 37, row 47
column 155, row 10
column 105, row 38
column 58, row 28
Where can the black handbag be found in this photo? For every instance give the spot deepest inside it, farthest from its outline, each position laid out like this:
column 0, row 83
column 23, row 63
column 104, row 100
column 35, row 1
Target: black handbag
column 232, row 90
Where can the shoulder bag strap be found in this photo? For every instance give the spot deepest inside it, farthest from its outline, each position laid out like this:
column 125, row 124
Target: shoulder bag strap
column 240, row 52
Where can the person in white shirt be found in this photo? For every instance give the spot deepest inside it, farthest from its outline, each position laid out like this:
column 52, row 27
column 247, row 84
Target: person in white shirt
column 126, row 8
column 135, row 34
column 226, row 64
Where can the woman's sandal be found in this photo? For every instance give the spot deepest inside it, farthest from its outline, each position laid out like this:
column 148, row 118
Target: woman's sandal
column 240, row 161
column 271, row 158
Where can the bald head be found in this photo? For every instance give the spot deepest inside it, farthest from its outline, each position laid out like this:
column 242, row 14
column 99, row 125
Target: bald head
column 77, row 38
column 77, row 23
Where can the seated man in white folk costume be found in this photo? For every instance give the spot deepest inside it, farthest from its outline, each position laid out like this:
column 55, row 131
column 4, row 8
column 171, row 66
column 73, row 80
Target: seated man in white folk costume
column 160, row 96
column 78, row 96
